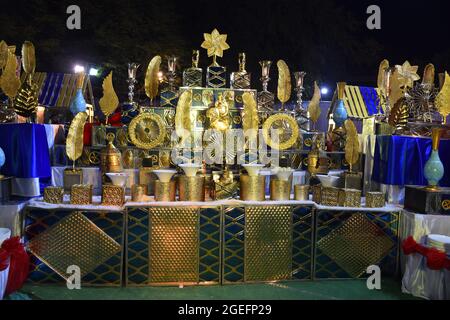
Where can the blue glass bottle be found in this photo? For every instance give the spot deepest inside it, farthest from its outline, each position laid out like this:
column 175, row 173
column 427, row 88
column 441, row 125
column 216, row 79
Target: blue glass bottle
column 340, row 111
column 78, row 104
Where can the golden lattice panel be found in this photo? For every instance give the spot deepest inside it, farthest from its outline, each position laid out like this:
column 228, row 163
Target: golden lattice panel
column 173, row 245
column 75, row 240
column 268, row 243
column 355, row 245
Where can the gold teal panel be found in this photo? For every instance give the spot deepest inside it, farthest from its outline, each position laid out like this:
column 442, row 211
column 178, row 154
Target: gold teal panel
column 356, row 244
column 268, row 243
column 174, row 247
column 75, row 240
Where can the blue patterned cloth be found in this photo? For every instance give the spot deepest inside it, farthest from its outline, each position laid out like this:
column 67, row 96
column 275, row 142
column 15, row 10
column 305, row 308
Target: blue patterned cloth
column 26, row 150
column 401, row 160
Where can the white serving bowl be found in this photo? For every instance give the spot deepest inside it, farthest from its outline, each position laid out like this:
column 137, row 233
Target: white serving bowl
column 253, row 169
column 328, row 180
column 118, row 179
column 284, row 173
column 164, row 175
column 190, row 169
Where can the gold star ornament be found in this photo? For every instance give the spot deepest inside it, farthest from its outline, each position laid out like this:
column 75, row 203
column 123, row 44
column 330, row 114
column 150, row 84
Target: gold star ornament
column 216, row 44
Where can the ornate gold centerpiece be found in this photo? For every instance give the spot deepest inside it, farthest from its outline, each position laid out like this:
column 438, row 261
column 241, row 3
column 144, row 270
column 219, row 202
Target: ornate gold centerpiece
column 110, row 158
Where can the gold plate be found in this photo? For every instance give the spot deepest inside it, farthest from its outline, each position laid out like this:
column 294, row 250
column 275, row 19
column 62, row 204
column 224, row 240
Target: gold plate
column 147, row 130
column 288, row 127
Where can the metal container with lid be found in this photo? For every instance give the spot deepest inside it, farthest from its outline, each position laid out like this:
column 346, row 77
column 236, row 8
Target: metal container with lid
column 110, row 158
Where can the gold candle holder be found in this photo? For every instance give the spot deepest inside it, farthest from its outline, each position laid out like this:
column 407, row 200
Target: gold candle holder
column 139, row 192
column 113, row 195
column 252, row 188
column 54, row 195
column 375, row 199
column 280, row 190
column 191, row 188
column 301, row 192
column 81, row 194
column 165, row 191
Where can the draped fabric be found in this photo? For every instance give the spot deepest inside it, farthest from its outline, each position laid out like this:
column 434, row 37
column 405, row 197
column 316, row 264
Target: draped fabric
column 26, row 150
column 400, row 160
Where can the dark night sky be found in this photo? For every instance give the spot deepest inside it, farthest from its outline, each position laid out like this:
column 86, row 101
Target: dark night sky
column 326, row 38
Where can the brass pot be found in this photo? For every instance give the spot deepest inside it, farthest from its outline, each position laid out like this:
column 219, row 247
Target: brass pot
column 252, row 188
column 280, row 190
column 165, row 191
column 191, row 188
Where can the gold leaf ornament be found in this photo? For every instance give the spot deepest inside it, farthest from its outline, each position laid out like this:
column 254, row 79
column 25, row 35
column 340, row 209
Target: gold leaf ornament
column 28, row 57
column 443, row 98
column 351, row 144
column 314, row 106
column 250, row 119
column 151, row 78
column 74, row 144
column 398, row 117
column 284, row 82
column 382, row 73
column 183, row 114
column 429, row 74
column 109, row 102
column 3, row 54
column 10, row 82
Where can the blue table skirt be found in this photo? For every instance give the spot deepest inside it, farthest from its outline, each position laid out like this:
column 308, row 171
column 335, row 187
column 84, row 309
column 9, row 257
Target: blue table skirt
column 26, row 150
column 400, row 160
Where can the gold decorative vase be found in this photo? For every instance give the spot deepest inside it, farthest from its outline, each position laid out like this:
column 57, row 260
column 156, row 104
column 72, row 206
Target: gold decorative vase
column 301, row 192
column 54, row 195
column 252, row 188
column 280, row 190
column 375, row 199
column 165, row 191
column 139, row 192
column 113, row 195
column 191, row 188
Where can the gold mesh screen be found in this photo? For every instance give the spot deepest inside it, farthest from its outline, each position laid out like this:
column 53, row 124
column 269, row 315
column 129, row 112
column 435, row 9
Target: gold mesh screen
column 355, row 245
column 75, row 240
column 173, row 245
column 268, row 243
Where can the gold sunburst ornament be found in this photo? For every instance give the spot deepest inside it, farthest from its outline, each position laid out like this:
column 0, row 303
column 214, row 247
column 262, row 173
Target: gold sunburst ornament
column 215, row 43
column 147, row 130
column 285, row 126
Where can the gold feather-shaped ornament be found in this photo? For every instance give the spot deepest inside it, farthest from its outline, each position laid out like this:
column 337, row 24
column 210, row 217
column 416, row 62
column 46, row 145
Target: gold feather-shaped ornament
column 397, row 90
column 28, row 57
column 381, row 81
column 429, row 75
column 3, row 54
column 398, row 117
column 250, row 119
column 351, row 143
column 183, row 115
column 10, row 82
column 151, row 78
column 74, row 143
column 109, row 102
column 314, row 105
column 284, row 83
column 443, row 98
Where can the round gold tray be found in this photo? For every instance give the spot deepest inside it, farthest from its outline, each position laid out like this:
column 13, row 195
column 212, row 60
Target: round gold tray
column 287, row 128
column 147, row 130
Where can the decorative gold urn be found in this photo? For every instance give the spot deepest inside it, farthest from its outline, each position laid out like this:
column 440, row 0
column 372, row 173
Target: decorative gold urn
column 111, row 158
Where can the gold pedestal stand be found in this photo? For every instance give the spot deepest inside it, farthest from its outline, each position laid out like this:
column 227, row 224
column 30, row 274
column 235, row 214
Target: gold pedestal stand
column 280, row 189
column 191, row 188
column 165, row 191
column 252, row 188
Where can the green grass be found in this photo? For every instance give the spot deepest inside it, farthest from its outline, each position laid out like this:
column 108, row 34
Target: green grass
column 311, row 290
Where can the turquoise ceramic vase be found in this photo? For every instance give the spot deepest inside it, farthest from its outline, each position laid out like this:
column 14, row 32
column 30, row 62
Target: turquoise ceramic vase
column 434, row 169
column 78, row 104
column 340, row 112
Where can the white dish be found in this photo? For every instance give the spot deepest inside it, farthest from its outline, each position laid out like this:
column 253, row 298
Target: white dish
column 118, row 179
column 328, row 180
column 190, row 169
column 253, row 169
column 164, row 175
column 439, row 238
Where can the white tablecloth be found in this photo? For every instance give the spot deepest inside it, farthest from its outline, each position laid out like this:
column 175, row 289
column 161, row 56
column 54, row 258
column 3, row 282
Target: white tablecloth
column 418, row 280
column 10, row 216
